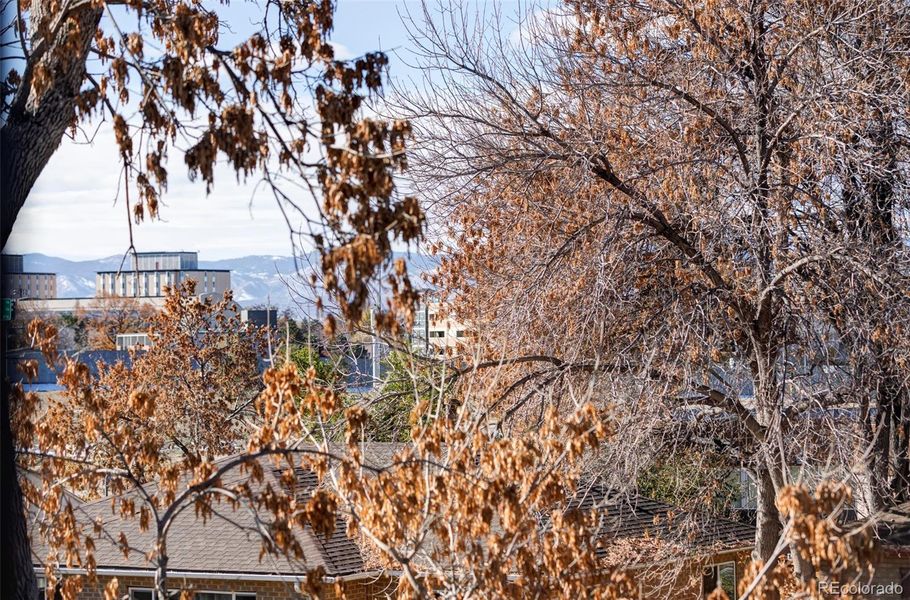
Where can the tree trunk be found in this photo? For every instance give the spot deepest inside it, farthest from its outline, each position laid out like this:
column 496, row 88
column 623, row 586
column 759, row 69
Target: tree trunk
column 34, row 127
column 883, row 452
column 900, row 451
column 767, row 518
column 877, row 459
column 161, row 590
column 18, row 575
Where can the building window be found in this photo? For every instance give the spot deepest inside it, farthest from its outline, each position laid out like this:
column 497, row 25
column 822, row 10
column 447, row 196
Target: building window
column 149, row 594
column 721, row 575
column 437, row 334
column 42, row 590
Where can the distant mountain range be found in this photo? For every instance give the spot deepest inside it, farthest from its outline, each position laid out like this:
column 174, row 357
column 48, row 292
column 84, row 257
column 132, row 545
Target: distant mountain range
column 256, row 280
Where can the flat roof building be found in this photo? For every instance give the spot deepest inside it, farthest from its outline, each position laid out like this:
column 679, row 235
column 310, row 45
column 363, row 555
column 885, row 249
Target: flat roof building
column 150, row 272
column 128, row 341
column 261, row 317
column 13, row 263
column 435, row 330
column 19, row 283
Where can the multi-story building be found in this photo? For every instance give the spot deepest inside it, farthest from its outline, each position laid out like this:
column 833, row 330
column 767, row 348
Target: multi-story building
column 128, row 341
column 19, row 283
column 151, row 272
column 435, row 330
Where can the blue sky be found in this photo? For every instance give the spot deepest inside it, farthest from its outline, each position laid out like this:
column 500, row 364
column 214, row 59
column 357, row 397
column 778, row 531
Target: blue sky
column 73, row 211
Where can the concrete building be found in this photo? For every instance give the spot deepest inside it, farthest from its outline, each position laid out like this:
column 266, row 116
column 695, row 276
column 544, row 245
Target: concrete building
column 19, row 283
column 128, row 341
column 435, row 330
column 86, row 306
column 150, row 272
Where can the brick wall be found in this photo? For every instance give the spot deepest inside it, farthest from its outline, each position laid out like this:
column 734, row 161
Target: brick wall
column 683, row 580
column 366, row 589
column 892, row 573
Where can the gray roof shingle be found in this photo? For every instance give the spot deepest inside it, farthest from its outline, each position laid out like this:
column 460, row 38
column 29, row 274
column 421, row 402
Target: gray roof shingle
column 230, row 540
column 633, row 516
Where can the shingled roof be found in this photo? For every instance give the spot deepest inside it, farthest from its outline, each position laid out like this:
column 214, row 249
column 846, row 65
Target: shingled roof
column 631, row 516
column 891, row 527
column 230, row 541
column 894, row 525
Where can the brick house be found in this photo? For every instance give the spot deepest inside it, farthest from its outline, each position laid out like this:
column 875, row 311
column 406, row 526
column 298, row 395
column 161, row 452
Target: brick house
column 890, row 579
column 672, row 553
column 220, row 558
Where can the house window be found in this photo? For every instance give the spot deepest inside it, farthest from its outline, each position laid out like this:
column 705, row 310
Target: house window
column 224, row 596
column 437, row 334
column 723, row 576
column 149, row 594
column 42, row 590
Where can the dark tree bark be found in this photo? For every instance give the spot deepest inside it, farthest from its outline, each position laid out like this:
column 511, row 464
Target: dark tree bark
column 18, row 576
column 767, row 525
column 870, row 206
column 39, row 115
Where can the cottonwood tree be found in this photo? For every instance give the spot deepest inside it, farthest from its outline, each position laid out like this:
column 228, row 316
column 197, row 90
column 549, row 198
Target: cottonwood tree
column 462, row 511
column 458, row 512
column 272, row 104
column 697, row 208
column 107, row 316
column 508, row 480
column 201, row 364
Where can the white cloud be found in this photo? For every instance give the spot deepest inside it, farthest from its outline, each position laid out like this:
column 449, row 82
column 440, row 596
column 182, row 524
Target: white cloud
column 342, row 52
column 75, row 211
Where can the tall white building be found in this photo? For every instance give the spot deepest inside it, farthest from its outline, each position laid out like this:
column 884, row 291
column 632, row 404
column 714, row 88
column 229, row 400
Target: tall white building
column 151, row 272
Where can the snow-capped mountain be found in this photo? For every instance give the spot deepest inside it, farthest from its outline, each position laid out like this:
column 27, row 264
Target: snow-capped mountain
column 256, row 280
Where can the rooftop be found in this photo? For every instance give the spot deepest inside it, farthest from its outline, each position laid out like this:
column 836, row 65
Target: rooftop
column 628, row 515
column 230, row 541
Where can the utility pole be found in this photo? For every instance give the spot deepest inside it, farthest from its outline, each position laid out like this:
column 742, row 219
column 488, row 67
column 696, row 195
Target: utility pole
column 374, row 350
column 268, row 326
column 375, row 334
